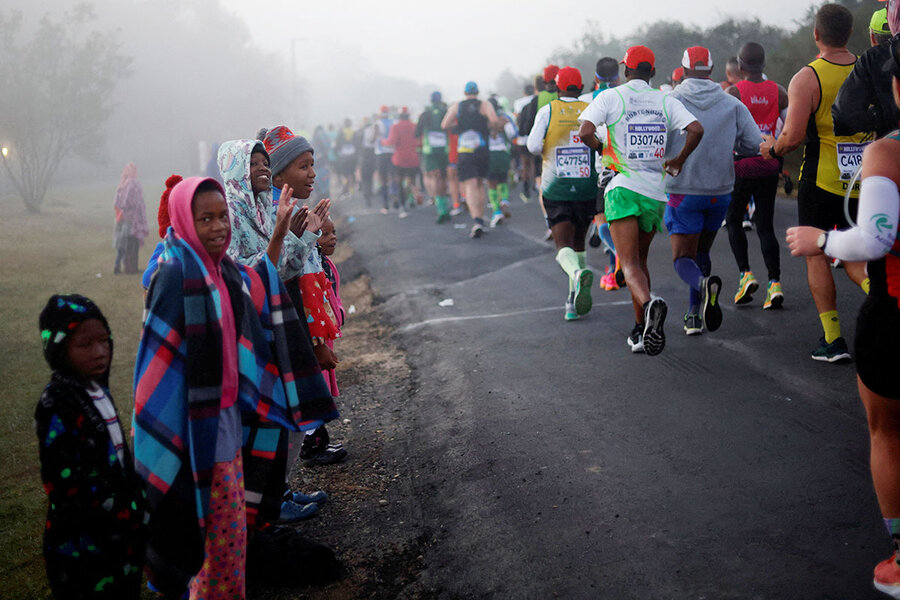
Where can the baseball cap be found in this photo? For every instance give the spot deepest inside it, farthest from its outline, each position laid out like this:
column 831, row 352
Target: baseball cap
column 404, row 110
column 636, row 55
column 879, row 23
column 435, row 96
column 385, row 110
column 697, row 58
column 568, row 77
column 678, row 74
column 550, row 72
column 471, row 88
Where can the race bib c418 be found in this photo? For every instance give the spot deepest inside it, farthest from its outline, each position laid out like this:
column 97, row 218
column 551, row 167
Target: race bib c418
column 437, row 139
column 573, row 162
column 645, row 141
column 849, row 157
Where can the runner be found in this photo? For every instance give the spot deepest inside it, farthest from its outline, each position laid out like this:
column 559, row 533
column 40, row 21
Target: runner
column 473, row 119
column 369, row 136
column 434, row 154
column 500, row 147
column 878, row 325
column 639, row 120
column 732, row 73
column 829, row 162
column 757, row 178
column 383, row 155
column 404, row 161
column 346, row 156
column 699, row 197
column 524, row 160
column 568, row 186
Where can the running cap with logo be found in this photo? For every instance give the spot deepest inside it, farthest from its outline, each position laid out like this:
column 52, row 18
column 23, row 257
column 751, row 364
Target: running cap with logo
column 550, row 72
column 697, row 58
column 879, row 22
column 471, row 88
column 435, row 96
column 637, row 55
column 568, row 79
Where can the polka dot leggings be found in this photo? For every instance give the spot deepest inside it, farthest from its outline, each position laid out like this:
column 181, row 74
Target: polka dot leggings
column 222, row 575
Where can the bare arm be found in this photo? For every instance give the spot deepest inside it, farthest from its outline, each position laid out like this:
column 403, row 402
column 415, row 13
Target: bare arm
column 487, row 109
column 588, row 134
column 449, row 119
column 803, row 98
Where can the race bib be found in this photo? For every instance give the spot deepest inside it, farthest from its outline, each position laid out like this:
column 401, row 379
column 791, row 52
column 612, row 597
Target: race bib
column 849, row 157
column 497, row 144
column 470, row 140
column 437, row 139
column 348, row 150
column 573, row 162
column 645, row 141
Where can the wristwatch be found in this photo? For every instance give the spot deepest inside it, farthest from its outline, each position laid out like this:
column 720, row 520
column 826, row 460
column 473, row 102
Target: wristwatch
column 822, row 240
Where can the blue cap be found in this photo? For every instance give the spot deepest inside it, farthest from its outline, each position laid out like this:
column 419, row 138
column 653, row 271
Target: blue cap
column 435, row 96
column 471, row 88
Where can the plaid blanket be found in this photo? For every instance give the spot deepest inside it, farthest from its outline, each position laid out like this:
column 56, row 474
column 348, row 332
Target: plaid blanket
column 178, row 377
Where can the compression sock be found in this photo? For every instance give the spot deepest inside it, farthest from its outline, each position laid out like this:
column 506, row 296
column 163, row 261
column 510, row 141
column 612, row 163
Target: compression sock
column 865, row 285
column 440, row 203
column 605, row 235
column 831, row 325
column 691, row 274
column 582, row 259
column 503, row 189
column 494, row 200
column 568, row 260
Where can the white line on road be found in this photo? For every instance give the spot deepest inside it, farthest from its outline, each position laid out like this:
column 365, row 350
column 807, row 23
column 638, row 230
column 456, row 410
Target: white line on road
column 514, row 313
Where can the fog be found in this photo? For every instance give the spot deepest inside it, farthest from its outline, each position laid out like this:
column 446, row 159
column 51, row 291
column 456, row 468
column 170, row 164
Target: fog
column 204, row 71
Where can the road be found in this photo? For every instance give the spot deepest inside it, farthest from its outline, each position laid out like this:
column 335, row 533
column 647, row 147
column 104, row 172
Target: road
column 547, row 460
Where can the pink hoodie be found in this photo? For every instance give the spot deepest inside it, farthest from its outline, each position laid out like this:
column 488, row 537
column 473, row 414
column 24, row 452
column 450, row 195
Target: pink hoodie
column 183, row 223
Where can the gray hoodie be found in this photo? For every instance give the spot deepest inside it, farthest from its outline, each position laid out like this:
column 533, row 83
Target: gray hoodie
column 727, row 127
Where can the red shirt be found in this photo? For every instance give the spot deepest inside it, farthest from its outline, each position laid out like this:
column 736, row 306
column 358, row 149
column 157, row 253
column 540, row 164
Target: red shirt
column 403, row 138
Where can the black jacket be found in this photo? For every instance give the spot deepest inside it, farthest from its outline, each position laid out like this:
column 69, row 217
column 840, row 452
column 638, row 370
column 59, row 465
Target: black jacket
column 865, row 101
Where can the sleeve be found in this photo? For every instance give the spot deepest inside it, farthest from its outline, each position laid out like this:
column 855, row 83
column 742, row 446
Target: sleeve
column 874, row 236
column 850, row 111
column 597, row 111
column 294, row 253
column 510, row 129
column 678, row 116
column 246, row 248
column 748, row 137
column 535, row 141
column 420, row 125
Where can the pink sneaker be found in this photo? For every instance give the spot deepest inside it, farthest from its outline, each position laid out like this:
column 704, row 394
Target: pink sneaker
column 887, row 577
column 608, row 282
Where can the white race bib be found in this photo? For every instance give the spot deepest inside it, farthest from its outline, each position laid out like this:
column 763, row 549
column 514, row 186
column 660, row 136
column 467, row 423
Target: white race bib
column 849, row 157
column 437, row 139
column 497, row 144
column 470, row 140
column 573, row 162
column 348, row 150
column 645, row 141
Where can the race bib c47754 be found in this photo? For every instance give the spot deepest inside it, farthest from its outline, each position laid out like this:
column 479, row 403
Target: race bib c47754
column 849, row 157
column 573, row 162
column 645, row 141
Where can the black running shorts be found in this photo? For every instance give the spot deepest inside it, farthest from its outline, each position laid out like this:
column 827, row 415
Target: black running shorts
column 876, row 348
column 575, row 212
column 473, row 164
column 818, row 208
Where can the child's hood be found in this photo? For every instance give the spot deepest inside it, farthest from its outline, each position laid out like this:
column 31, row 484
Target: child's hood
column 183, row 217
column 234, row 165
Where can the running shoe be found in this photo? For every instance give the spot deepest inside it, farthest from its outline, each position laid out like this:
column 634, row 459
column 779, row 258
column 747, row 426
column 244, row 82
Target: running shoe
column 693, row 325
column 746, row 287
column 584, row 278
column 594, row 235
column 608, row 282
column 548, row 236
column 747, row 225
column 774, row 296
column 524, row 198
column 403, row 214
column 292, row 512
column 887, row 577
column 654, row 318
column 384, row 211
column 710, row 311
column 496, row 219
column 636, row 339
column 836, row 351
column 477, row 231
column 619, row 274
column 504, row 208
column 571, row 314
column 455, row 211
column 318, row 497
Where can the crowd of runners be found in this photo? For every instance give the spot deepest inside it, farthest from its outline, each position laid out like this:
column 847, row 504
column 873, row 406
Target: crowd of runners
column 235, row 371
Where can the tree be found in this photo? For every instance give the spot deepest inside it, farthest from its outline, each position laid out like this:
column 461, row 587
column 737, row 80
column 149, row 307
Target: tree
column 55, row 93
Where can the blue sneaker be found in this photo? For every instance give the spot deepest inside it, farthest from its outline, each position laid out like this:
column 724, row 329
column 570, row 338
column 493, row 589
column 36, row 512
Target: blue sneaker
column 318, row 497
column 292, row 512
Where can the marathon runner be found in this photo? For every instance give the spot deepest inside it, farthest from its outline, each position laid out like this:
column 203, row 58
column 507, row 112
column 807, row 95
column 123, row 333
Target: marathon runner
column 346, row 156
column 699, row 197
column 568, row 185
column 369, row 135
column 520, row 152
column 404, row 161
column 500, row 147
column 757, row 178
column 829, row 162
column 383, row 155
column 434, row 154
column 639, row 120
column 473, row 120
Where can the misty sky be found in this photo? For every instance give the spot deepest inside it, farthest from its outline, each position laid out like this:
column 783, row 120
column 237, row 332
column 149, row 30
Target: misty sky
column 448, row 43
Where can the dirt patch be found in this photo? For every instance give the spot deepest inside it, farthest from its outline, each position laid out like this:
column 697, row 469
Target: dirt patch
column 371, row 518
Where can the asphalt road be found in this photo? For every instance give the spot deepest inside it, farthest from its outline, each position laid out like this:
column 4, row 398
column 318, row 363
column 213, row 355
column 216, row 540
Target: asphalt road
column 547, row 460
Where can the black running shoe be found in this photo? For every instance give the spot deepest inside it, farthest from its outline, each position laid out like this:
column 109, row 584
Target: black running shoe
column 654, row 319
column 710, row 311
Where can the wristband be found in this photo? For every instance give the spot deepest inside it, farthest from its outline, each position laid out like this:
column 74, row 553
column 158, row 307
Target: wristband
column 772, row 153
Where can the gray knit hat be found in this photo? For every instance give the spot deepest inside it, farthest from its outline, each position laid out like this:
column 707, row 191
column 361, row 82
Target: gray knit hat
column 283, row 147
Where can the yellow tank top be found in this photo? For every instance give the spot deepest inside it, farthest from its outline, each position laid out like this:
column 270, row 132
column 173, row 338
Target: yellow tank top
column 831, row 159
column 569, row 172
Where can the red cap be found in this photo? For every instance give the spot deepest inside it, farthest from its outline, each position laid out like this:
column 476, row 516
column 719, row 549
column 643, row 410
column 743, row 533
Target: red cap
column 678, row 74
column 404, row 110
column 568, row 77
column 385, row 109
column 550, row 72
column 697, row 58
column 636, row 55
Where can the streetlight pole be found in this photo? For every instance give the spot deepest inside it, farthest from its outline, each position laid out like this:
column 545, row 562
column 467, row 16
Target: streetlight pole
column 295, row 92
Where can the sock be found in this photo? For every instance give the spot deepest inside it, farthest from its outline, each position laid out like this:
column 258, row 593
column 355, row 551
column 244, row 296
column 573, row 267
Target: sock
column 605, row 235
column 503, row 190
column 582, row 259
column 568, row 260
column 479, row 221
column 612, row 261
column 704, row 262
column 831, row 324
column 689, row 272
column 493, row 199
column 865, row 285
column 440, row 203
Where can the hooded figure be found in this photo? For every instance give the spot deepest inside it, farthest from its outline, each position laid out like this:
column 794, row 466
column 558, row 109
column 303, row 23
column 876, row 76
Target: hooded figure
column 219, row 340
column 131, row 220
